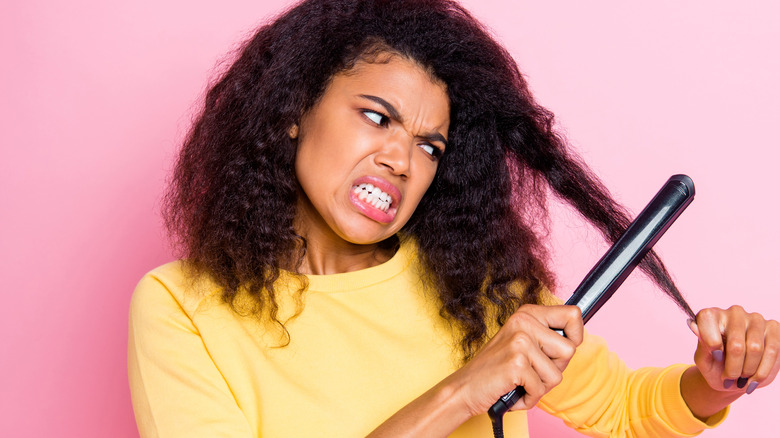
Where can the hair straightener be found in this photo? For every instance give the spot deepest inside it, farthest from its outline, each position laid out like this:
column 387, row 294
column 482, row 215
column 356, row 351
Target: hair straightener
column 609, row 273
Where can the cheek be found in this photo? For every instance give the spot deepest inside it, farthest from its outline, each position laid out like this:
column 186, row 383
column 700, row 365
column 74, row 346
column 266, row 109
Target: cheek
column 422, row 185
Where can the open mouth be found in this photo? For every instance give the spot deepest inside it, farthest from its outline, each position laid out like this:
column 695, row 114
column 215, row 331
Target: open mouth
column 376, row 198
column 373, row 196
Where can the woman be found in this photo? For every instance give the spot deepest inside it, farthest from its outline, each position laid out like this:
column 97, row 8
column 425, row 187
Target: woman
column 359, row 206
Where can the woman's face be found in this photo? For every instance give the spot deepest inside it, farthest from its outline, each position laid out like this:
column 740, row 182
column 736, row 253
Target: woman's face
column 368, row 151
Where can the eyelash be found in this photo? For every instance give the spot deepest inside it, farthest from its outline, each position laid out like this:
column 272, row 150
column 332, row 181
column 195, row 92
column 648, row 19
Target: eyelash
column 436, row 152
column 384, row 120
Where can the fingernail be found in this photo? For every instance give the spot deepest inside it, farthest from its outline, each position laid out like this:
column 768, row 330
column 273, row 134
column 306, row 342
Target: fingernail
column 752, row 387
column 717, row 355
column 690, row 324
column 741, row 382
column 727, row 383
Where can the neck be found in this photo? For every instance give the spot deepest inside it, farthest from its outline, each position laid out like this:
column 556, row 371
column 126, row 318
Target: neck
column 328, row 253
column 322, row 257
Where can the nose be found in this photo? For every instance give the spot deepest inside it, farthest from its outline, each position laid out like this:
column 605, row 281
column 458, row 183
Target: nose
column 395, row 154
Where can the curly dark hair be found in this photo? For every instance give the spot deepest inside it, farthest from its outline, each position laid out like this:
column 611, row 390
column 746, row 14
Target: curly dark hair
column 232, row 199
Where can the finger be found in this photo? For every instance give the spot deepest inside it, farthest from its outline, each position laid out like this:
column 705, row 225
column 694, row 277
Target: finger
column 693, row 326
column 734, row 353
column 542, row 376
column 574, row 328
column 768, row 367
column 754, row 344
column 559, row 349
column 567, row 318
column 711, row 332
column 550, row 369
column 529, row 379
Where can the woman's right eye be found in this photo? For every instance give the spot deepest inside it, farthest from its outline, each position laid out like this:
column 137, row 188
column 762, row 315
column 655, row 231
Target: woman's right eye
column 378, row 118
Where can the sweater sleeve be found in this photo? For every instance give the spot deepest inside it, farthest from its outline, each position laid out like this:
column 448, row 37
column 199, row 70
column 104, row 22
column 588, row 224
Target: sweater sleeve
column 601, row 397
column 177, row 391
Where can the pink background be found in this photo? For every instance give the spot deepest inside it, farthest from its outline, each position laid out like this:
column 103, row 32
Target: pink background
column 96, row 96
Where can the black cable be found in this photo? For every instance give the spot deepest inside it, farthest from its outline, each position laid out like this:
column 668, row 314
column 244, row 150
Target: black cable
column 498, row 426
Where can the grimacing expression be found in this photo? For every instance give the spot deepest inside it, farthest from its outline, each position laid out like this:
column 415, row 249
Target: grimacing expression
column 369, row 149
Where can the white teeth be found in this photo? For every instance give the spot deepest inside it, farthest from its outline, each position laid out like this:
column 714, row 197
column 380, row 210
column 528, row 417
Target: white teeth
column 373, row 195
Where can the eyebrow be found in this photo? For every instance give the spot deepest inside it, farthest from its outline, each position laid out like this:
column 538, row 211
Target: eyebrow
column 433, row 136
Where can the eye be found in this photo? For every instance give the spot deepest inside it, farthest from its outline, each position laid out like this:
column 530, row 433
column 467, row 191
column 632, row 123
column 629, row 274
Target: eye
column 431, row 150
column 378, row 118
column 428, row 148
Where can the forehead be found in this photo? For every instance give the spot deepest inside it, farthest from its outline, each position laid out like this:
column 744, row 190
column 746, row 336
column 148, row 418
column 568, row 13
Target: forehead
column 386, row 56
column 401, row 81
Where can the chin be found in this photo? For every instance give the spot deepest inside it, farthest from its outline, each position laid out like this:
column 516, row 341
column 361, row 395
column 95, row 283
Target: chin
column 366, row 237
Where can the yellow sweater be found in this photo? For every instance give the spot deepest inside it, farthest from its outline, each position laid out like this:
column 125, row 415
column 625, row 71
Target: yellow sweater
column 367, row 343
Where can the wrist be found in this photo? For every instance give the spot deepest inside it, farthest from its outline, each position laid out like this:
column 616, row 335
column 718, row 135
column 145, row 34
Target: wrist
column 452, row 394
column 437, row 412
column 703, row 400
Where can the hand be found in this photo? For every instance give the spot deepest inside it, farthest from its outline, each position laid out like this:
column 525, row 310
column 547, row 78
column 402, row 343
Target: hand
column 525, row 352
column 737, row 351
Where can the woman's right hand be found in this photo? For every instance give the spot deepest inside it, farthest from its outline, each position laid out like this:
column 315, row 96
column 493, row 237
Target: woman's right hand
column 525, row 352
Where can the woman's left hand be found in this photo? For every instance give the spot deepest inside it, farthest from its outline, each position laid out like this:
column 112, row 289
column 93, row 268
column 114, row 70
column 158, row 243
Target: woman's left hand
column 737, row 351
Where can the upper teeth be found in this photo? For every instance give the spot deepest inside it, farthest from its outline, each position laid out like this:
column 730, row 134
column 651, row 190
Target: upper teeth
column 374, row 196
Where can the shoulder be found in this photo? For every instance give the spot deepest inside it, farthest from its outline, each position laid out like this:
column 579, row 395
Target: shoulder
column 174, row 286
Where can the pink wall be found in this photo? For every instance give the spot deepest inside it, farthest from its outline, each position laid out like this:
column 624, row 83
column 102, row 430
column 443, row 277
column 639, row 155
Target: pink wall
column 96, row 95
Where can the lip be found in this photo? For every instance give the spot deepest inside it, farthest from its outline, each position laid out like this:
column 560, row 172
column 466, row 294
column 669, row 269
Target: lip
column 369, row 210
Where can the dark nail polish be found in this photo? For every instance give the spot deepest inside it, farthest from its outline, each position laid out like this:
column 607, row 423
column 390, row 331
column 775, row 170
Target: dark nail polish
column 717, row 355
column 727, row 383
column 741, row 382
column 752, row 387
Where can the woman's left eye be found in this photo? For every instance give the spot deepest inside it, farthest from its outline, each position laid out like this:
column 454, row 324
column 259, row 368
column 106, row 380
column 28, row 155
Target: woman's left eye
column 431, row 150
column 378, row 118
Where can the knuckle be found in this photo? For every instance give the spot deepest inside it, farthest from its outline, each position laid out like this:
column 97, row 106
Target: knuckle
column 526, row 308
column 760, row 375
column 712, row 342
column 520, row 362
column 574, row 312
column 520, row 318
column 521, row 341
column 707, row 313
column 556, row 379
column 736, row 347
column 737, row 308
column 515, row 321
column 754, row 347
column 568, row 349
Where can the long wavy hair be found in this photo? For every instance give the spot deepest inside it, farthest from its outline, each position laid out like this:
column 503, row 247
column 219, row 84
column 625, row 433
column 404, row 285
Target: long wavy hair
column 480, row 227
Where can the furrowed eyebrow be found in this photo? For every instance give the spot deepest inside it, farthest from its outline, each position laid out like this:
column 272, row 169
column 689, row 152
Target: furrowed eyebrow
column 389, row 108
column 434, row 136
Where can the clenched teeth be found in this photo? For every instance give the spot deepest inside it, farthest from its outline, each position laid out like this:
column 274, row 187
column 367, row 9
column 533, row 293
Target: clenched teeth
column 374, row 196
